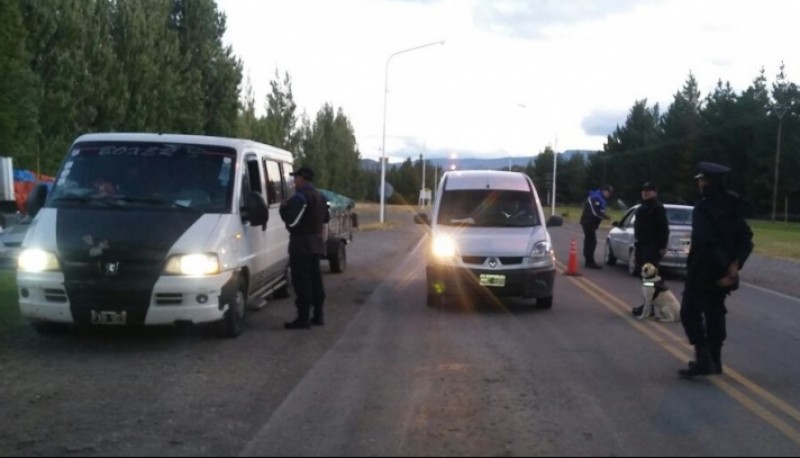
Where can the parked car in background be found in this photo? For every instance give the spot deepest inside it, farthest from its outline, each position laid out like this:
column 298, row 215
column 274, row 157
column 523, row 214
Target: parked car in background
column 620, row 241
column 11, row 243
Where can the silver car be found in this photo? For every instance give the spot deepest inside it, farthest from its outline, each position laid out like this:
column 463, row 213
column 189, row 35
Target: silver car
column 620, row 241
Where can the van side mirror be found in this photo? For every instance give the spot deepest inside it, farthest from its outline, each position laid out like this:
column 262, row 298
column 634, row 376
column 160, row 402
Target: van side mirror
column 36, row 200
column 615, row 224
column 422, row 218
column 256, row 211
column 555, row 221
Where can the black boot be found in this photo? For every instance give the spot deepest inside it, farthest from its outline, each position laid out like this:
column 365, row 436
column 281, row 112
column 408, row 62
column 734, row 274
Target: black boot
column 716, row 358
column 298, row 324
column 701, row 366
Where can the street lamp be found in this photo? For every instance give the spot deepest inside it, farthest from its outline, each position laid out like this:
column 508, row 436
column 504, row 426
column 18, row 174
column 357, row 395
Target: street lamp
column 383, row 141
column 780, row 111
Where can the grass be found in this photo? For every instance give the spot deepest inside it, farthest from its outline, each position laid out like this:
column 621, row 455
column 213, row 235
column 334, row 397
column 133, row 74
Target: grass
column 774, row 240
column 9, row 311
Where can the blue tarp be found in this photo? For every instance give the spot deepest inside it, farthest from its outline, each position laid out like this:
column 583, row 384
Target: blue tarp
column 338, row 202
column 25, row 176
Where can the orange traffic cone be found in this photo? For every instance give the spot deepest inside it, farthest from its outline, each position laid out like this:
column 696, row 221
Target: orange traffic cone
column 572, row 265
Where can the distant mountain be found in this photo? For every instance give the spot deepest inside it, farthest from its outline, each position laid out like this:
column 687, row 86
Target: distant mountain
column 478, row 164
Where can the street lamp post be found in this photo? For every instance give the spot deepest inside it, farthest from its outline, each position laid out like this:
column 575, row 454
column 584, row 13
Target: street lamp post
column 780, row 111
column 383, row 141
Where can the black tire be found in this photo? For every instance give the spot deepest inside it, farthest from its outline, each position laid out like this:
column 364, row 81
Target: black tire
column 632, row 264
column 611, row 260
column 338, row 259
column 232, row 324
column 434, row 300
column 284, row 291
column 48, row 328
column 544, row 303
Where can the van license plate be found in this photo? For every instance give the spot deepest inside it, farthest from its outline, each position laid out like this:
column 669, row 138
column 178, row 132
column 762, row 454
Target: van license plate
column 494, row 281
column 109, row 318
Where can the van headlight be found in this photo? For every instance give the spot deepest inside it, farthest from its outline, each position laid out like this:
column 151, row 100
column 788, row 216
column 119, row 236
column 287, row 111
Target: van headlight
column 444, row 247
column 193, row 265
column 542, row 253
column 35, row 260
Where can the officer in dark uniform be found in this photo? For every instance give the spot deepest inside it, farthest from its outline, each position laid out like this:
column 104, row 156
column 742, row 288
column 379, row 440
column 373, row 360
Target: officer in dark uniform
column 721, row 243
column 305, row 215
column 594, row 211
column 651, row 230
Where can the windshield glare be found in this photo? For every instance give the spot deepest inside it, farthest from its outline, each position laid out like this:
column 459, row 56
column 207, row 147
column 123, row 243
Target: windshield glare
column 488, row 208
column 135, row 175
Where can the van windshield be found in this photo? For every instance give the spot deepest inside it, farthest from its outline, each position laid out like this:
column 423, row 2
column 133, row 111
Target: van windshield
column 153, row 175
column 488, row 208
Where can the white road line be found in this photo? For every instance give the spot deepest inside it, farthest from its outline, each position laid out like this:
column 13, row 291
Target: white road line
column 774, row 293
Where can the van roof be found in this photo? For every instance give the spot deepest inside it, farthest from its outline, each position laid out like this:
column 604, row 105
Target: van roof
column 486, row 179
column 237, row 143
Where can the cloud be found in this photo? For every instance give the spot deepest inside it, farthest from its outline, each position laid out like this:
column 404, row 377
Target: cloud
column 529, row 18
column 603, row 122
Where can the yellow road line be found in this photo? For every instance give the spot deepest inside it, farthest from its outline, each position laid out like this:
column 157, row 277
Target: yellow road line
column 677, row 346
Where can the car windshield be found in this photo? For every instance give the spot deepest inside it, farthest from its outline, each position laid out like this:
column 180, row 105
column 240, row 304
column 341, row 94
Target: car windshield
column 127, row 175
column 488, row 208
column 679, row 216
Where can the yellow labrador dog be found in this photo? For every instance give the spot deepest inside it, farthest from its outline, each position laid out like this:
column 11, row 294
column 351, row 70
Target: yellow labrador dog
column 658, row 299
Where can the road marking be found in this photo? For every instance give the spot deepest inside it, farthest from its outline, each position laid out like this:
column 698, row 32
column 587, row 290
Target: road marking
column 677, row 346
column 769, row 291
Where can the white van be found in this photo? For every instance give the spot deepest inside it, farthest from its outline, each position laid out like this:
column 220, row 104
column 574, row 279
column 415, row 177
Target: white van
column 152, row 229
column 488, row 233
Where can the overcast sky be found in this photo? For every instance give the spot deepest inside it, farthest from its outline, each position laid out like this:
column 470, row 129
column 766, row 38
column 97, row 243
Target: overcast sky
column 513, row 76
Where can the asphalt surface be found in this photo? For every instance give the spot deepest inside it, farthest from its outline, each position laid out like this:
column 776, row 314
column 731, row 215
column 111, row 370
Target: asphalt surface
column 389, row 376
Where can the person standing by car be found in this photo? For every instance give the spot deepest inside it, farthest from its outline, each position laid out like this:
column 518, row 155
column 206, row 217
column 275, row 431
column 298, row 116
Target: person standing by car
column 594, row 211
column 305, row 215
column 721, row 243
column 651, row 231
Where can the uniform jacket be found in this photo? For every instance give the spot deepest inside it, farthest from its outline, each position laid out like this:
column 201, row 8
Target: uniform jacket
column 594, row 210
column 720, row 235
column 652, row 226
column 305, row 215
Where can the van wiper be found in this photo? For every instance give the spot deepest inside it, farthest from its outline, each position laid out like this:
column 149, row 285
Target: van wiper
column 84, row 199
column 150, row 201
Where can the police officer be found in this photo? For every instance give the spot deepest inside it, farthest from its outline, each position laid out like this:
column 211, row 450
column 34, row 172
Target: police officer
column 305, row 215
column 721, row 243
column 594, row 211
column 651, row 231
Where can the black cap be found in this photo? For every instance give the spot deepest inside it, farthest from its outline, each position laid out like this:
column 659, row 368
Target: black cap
column 711, row 170
column 649, row 186
column 304, row 172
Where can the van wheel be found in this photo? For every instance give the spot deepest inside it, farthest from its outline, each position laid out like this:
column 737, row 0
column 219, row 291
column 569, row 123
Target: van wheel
column 544, row 303
column 283, row 292
column 435, row 300
column 232, row 323
column 47, row 328
column 338, row 259
column 611, row 260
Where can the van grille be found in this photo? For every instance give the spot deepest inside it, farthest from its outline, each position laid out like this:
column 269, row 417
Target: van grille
column 55, row 295
column 474, row 259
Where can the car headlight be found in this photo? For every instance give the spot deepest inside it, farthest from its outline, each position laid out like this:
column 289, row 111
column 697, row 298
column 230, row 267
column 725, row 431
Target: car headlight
column 542, row 251
column 193, row 265
column 444, row 247
column 35, row 260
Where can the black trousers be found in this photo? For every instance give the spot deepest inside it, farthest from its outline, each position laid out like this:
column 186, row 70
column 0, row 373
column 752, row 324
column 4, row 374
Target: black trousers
column 647, row 253
column 308, row 286
column 589, row 242
column 703, row 317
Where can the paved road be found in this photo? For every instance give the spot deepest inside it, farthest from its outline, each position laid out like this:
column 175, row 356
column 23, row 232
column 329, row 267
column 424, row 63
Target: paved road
column 390, row 376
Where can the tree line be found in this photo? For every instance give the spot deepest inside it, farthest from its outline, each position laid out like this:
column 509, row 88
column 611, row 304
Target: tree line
column 69, row 67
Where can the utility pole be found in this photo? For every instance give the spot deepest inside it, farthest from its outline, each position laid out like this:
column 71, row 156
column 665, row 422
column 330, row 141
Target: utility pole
column 780, row 111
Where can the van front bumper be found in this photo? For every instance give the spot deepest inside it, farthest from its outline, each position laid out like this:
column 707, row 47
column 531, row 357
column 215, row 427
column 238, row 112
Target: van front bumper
column 532, row 283
column 42, row 297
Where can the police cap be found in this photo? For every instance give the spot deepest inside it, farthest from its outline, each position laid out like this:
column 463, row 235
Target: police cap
column 649, row 186
column 711, row 170
column 304, row 172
